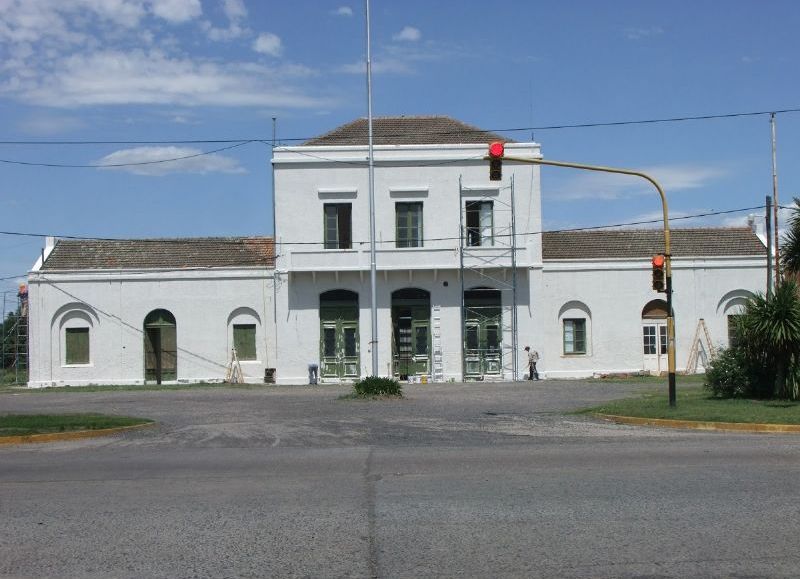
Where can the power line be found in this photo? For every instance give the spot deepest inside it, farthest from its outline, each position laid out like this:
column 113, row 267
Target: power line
column 421, row 132
column 449, row 238
column 113, row 165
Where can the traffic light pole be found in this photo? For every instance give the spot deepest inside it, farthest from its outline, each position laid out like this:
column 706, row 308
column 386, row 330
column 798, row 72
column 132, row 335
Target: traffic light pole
column 667, row 249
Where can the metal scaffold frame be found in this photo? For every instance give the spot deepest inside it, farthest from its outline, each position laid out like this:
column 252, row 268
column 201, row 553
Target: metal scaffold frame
column 19, row 334
column 495, row 268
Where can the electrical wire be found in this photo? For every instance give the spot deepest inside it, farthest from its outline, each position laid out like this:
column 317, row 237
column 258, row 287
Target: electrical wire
column 117, row 165
column 423, row 132
column 449, row 238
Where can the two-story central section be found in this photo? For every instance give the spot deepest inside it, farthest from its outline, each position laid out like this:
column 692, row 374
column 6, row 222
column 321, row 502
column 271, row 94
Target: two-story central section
column 453, row 252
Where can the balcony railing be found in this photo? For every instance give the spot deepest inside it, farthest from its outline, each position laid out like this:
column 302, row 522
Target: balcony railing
column 412, row 258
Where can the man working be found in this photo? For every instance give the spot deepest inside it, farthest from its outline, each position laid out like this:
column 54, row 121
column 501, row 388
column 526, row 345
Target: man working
column 533, row 357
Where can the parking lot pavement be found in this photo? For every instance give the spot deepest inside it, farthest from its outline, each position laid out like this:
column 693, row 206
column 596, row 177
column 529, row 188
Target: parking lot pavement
column 455, row 480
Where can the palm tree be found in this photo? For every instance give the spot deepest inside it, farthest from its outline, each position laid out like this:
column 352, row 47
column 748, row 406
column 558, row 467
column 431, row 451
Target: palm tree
column 770, row 335
column 790, row 255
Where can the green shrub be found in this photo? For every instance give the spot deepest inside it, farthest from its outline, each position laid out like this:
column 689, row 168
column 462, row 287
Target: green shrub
column 728, row 376
column 377, row 386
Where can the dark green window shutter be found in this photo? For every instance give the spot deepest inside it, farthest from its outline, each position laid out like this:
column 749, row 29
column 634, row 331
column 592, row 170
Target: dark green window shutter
column 244, row 340
column 408, row 222
column 77, row 346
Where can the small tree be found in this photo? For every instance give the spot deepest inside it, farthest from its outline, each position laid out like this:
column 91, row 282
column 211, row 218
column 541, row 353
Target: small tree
column 769, row 335
column 790, row 254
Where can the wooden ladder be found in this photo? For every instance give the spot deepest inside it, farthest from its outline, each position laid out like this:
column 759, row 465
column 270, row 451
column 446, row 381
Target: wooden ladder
column 234, row 374
column 694, row 353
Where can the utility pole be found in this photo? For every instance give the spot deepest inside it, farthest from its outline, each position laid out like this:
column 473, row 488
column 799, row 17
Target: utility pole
column 768, row 219
column 775, row 199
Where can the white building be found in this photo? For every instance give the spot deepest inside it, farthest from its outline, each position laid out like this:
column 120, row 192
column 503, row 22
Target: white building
column 464, row 279
column 156, row 310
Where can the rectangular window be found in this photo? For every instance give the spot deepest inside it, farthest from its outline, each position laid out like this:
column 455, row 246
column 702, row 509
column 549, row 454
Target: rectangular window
column 409, row 224
column 338, row 226
column 492, row 339
column 649, row 340
column 479, row 223
column 244, row 340
column 471, row 338
column 329, row 342
column 575, row 336
column 421, row 341
column 77, row 346
column 350, row 342
column 654, row 339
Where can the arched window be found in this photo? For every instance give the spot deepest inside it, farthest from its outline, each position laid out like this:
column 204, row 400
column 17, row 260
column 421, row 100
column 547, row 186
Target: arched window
column 654, row 331
column 244, row 331
column 575, row 319
column 75, row 323
column 732, row 306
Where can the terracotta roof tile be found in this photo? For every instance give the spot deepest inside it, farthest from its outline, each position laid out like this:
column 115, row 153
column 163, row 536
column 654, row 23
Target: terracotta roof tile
column 630, row 243
column 72, row 254
column 413, row 130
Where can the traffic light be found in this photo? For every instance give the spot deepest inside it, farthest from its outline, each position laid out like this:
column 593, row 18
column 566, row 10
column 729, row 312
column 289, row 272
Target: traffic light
column 659, row 275
column 496, row 152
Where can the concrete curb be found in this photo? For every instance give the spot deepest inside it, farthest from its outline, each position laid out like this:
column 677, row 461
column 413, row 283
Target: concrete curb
column 74, row 435
column 695, row 425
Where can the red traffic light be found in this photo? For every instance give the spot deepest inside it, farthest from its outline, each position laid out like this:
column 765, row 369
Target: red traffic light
column 658, row 260
column 497, row 150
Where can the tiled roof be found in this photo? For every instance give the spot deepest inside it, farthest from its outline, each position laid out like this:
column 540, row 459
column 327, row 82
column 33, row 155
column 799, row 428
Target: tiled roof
column 415, row 130
column 72, row 254
column 630, row 243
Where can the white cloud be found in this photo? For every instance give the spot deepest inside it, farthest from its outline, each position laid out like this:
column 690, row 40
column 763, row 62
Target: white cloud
column 672, row 178
column 633, row 33
column 749, row 59
column 151, row 77
column 408, row 34
column 177, row 11
column 343, row 11
column 149, row 157
column 268, row 43
column 235, row 11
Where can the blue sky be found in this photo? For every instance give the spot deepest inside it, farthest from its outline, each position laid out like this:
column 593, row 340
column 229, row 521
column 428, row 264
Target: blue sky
column 162, row 70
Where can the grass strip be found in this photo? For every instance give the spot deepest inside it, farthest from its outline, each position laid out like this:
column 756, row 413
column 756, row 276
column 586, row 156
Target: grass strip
column 26, row 424
column 695, row 403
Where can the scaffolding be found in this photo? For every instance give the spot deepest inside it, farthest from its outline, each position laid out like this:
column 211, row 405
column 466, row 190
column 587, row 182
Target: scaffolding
column 487, row 252
column 15, row 338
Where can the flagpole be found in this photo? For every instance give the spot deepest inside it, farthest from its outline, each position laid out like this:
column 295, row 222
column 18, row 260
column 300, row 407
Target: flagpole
column 372, row 264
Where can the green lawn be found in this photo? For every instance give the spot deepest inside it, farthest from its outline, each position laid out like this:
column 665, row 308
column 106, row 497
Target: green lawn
column 694, row 403
column 26, row 424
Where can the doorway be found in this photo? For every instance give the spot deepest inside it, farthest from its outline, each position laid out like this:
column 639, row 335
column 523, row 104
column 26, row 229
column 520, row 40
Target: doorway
column 411, row 336
column 482, row 333
column 654, row 337
column 339, row 341
column 160, row 347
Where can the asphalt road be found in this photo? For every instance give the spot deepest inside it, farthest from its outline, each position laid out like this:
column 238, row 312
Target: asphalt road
column 479, row 480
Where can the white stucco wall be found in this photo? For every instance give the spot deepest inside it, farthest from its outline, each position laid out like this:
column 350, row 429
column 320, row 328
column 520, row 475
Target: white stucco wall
column 308, row 177
column 615, row 293
column 114, row 305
